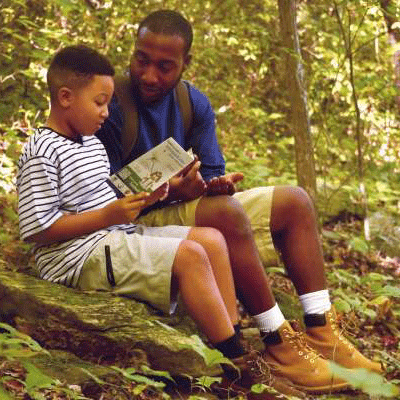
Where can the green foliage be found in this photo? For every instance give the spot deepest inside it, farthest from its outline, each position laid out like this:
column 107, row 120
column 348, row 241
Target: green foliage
column 15, row 345
column 211, row 356
column 369, row 382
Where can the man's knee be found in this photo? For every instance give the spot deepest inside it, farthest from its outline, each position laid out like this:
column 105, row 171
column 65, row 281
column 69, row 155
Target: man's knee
column 224, row 213
column 292, row 198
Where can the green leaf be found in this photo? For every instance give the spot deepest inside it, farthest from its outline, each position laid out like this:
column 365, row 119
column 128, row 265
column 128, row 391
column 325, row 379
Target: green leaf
column 258, row 388
column 387, row 290
column 369, row 382
column 359, row 244
column 4, row 395
column 35, row 378
column 207, row 381
column 210, row 356
column 152, row 372
column 94, row 377
column 128, row 373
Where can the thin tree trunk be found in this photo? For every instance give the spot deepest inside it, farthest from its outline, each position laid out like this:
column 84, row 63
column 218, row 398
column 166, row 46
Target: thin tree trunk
column 394, row 39
column 299, row 120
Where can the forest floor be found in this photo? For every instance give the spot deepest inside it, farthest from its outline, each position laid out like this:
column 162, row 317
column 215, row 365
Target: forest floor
column 364, row 284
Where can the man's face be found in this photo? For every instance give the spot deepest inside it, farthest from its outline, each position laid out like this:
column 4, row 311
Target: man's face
column 157, row 64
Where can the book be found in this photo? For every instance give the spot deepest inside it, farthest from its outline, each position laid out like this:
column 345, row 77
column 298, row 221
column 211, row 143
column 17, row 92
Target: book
column 152, row 169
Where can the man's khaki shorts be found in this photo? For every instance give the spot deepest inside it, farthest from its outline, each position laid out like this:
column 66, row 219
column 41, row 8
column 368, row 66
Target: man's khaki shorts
column 257, row 204
column 137, row 265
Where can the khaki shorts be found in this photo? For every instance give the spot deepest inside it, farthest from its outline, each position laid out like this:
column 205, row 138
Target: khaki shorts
column 257, row 204
column 138, row 265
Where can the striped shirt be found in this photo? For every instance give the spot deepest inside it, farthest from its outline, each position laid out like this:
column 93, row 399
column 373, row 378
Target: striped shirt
column 58, row 176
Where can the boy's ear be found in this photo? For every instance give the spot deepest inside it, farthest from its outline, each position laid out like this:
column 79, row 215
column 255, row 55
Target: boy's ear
column 64, row 96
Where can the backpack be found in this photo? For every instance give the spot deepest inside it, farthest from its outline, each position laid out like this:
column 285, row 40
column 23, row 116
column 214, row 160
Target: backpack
column 129, row 132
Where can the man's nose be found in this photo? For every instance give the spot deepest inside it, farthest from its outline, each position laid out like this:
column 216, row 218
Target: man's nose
column 150, row 75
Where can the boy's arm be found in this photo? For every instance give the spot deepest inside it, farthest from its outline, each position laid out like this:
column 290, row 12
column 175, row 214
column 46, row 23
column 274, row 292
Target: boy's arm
column 69, row 226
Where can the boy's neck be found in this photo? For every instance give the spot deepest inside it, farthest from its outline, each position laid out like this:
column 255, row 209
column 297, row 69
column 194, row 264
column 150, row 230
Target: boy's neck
column 61, row 127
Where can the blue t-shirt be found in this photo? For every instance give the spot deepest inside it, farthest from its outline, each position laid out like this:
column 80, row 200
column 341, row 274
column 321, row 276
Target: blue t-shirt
column 160, row 121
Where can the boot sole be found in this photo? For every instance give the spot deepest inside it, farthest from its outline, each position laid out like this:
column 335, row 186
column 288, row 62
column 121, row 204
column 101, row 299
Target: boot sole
column 323, row 389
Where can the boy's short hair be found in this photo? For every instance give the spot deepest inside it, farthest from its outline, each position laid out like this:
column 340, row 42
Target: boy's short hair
column 169, row 22
column 74, row 67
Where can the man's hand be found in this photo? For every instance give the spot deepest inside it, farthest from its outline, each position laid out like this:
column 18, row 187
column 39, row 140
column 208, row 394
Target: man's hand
column 224, row 184
column 158, row 195
column 189, row 185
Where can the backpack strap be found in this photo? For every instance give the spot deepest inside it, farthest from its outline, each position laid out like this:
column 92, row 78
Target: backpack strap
column 129, row 134
column 185, row 105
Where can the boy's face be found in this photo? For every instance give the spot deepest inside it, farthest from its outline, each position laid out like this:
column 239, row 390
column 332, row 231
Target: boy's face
column 157, row 64
column 88, row 107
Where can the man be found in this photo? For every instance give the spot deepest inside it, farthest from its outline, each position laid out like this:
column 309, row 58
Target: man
column 280, row 218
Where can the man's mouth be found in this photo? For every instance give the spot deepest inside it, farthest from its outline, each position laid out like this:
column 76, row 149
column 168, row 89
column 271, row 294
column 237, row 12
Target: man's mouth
column 149, row 91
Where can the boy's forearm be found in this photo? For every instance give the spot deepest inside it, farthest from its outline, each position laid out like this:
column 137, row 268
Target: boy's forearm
column 70, row 226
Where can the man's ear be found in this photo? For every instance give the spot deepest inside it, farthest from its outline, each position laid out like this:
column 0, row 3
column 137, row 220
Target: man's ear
column 64, row 96
column 187, row 60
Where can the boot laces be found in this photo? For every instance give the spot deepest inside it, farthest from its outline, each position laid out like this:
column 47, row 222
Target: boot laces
column 297, row 340
column 339, row 331
column 260, row 369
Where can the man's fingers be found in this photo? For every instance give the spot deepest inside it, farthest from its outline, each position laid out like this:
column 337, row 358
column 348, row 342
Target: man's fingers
column 235, row 176
column 193, row 171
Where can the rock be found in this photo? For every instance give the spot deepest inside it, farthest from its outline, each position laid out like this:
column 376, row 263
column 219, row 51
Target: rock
column 99, row 326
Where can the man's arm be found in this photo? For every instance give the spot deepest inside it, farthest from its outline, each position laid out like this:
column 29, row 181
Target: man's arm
column 203, row 141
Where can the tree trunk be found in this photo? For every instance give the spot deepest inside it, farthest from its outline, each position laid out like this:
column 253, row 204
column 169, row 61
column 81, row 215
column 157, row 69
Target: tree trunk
column 299, row 121
column 394, row 40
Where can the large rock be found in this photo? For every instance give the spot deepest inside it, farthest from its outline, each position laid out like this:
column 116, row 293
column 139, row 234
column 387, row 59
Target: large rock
column 99, row 326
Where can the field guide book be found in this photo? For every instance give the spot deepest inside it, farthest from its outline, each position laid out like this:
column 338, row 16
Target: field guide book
column 149, row 171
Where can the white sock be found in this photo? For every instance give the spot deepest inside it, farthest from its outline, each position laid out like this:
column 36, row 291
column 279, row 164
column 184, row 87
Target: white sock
column 316, row 302
column 270, row 320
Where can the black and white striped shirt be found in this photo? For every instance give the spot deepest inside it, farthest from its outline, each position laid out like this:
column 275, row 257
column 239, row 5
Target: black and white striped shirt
column 58, row 176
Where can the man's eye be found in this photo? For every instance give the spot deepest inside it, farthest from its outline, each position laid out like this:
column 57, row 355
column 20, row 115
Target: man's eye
column 165, row 67
column 141, row 60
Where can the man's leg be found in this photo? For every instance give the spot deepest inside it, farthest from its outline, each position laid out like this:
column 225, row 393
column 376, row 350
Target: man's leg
column 227, row 215
column 295, row 235
column 285, row 352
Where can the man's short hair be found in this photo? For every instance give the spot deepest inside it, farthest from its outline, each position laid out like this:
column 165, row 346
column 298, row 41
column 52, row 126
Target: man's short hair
column 169, row 22
column 74, row 67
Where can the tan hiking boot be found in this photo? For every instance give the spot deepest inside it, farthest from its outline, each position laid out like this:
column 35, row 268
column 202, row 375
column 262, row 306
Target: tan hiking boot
column 289, row 356
column 252, row 370
column 324, row 335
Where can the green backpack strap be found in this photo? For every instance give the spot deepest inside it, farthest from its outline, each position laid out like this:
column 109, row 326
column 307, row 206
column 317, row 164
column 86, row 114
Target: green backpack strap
column 185, row 105
column 129, row 132
column 123, row 91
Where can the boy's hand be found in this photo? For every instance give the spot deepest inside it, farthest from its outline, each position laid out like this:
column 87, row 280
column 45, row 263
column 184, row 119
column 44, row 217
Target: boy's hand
column 224, row 184
column 187, row 186
column 127, row 209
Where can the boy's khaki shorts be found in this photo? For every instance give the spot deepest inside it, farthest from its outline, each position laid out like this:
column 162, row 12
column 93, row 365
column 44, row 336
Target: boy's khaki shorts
column 257, row 204
column 138, row 265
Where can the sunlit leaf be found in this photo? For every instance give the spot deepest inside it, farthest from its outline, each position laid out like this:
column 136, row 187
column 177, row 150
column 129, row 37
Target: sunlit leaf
column 369, row 382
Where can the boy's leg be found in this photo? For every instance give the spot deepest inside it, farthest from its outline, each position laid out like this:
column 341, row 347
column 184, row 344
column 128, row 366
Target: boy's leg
column 216, row 249
column 193, row 276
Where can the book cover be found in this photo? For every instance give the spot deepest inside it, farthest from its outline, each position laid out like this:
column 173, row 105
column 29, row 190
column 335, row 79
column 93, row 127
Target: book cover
column 149, row 171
